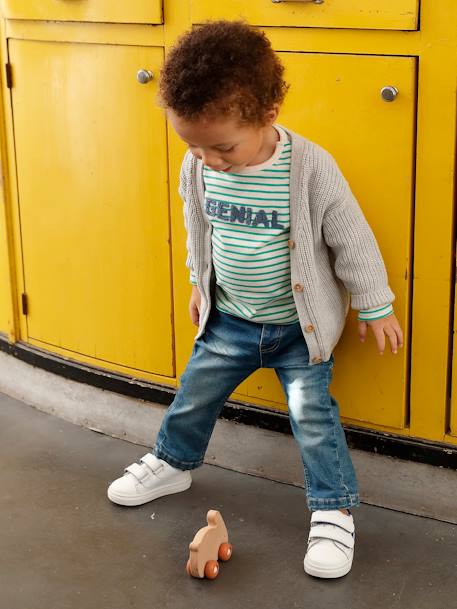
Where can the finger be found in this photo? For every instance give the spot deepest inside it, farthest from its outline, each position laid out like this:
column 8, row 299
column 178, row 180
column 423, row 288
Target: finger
column 194, row 314
column 392, row 337
column 362, row 330
column 380, row 340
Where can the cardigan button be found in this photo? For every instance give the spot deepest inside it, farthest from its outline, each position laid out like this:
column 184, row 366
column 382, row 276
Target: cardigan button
column 309, row 328
column 317, row 360
column 291, row 244
column 298, row 287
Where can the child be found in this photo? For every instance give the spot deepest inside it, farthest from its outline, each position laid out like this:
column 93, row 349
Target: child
column 266, row 213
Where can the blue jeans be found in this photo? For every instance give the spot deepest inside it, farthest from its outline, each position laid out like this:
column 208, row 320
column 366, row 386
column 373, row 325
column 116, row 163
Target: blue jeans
column 232, row 348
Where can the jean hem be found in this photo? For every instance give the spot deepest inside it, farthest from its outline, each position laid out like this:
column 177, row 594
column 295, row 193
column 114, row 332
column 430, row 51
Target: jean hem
column 333, row 504
column 160, row 453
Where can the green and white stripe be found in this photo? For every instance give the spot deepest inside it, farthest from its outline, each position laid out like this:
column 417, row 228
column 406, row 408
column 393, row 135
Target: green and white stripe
column 250, row 215
column 376, row 313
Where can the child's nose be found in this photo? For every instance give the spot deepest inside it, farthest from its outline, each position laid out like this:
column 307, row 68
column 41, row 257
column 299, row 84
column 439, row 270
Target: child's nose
column 211, row 160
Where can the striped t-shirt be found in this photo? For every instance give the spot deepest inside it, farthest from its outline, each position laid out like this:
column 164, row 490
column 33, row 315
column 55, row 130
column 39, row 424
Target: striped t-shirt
column 249, row 213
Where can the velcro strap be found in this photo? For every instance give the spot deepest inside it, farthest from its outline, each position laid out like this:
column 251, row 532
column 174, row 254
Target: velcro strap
column 140, row 473
column 330, row 531
column 333, row 517
column 152, row 461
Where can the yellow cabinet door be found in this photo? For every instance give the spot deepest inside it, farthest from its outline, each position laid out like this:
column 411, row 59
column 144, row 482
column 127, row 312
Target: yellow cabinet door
column 91, row 154
column 133, row 11
column 371, row 14
column 335, row 101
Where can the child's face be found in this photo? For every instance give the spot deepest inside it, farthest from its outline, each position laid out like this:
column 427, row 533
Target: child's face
column 224, row 144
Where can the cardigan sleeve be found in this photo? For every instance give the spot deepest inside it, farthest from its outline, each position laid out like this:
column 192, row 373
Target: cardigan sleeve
column 183, row 193
column 358, row 260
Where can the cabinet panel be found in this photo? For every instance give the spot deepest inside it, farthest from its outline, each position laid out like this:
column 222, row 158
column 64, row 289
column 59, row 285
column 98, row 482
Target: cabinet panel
column 375, row 14
column 335, row 101
column 134, row 11
column 93, row 201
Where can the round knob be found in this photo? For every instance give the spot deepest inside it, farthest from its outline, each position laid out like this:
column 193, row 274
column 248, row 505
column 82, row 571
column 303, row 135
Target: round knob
column 389, row 93
column 144, row 76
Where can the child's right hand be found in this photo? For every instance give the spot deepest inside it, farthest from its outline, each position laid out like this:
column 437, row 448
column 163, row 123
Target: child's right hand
column 194, row 305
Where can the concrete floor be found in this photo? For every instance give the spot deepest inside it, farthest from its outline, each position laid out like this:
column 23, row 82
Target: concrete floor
column 65, row 546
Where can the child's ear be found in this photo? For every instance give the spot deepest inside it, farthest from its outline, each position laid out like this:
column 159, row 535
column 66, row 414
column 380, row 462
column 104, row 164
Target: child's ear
column 272, row 114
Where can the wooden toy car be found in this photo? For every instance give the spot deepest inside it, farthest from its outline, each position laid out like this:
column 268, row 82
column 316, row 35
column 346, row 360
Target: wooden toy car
column 209, row 544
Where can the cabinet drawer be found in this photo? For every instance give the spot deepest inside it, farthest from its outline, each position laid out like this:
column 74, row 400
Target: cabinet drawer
column 134, row 11
column 363, row 14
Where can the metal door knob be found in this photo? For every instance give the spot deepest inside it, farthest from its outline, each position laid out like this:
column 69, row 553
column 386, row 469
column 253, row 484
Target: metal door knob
column 144, row 76
column 388, row 94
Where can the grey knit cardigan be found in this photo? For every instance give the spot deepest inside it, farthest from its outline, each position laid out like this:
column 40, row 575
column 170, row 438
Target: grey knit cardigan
column 335, row 260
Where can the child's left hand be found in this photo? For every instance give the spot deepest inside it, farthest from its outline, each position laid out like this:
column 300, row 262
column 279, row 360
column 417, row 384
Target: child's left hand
column 387, row 325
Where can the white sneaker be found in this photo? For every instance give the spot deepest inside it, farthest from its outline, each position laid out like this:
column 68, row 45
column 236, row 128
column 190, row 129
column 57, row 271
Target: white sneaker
column 330, row 544
column 152, row 479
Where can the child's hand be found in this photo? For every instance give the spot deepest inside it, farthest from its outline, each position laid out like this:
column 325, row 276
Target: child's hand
column 388, row 325
column 194, row 305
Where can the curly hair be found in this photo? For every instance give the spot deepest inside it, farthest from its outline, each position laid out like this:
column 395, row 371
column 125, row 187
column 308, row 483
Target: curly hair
column 223, row 68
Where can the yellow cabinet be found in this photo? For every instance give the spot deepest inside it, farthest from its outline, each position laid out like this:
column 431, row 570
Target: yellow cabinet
column 91, row 156
column 372, row 141
column 374, row 14
column 133, row 11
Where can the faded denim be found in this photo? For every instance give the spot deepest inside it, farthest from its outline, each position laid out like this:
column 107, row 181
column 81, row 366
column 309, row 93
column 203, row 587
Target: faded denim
column 231, row 349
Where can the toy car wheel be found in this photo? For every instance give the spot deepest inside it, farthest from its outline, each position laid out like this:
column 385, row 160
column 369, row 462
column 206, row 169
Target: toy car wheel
column 211, row 569
column 225, row 551
column 189, row 572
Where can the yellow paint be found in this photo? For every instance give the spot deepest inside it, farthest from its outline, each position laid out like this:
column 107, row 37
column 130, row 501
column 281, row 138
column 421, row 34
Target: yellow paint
column 133, row 11
column 93, row 201
column 374, row 14
column 98, row 33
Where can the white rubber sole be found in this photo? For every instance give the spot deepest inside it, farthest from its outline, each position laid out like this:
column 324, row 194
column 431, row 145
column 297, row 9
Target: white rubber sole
column 166, row 489
column 318, row 571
